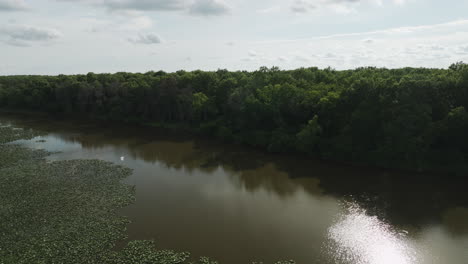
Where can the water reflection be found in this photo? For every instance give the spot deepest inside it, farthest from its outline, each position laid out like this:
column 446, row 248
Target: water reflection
column 359, row 238
column 362, row 239
column 239, row 205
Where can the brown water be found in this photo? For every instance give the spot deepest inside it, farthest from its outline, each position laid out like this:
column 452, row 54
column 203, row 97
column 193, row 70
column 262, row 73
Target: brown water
column 238, row 205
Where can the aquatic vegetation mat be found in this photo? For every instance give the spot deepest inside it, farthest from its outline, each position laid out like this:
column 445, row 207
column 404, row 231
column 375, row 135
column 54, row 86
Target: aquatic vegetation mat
column 65, row 211
column 9, row 134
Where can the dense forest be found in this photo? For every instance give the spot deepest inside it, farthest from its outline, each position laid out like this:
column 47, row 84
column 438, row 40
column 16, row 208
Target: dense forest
column 410, row 118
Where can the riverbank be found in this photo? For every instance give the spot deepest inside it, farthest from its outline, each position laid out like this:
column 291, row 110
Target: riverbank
column 187, row 131
column 413, row 119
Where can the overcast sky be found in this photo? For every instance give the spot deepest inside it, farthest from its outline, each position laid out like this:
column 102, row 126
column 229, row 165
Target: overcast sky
column 79, row 36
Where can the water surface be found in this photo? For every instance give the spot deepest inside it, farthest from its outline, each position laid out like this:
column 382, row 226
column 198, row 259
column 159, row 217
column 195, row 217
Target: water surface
column 238, row 205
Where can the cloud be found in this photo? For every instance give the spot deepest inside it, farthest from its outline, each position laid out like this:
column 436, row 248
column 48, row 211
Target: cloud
column 252, row 53
column 148, row 39
column 209, row 8
column 302, row 6
column 399, row 2
column 301, row 58
column 145, row 5
column 137, row 23
column 305, row 6
column 329, row 55
column 12, row 5
column 24, row 35
column 282, row 59
column 116, row 24
column 431, row 45
column 270, row 10
column 342, row 8
column 461, row 50
column 427, row 29
column 338, row 6
column 135, row 7
column 436, row 48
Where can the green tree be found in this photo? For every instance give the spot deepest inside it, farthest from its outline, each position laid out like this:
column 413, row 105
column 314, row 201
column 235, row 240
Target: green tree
column 309, row 136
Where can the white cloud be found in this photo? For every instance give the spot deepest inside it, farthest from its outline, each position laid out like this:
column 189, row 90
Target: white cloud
column 129, row 6
column 401, row 30
column 338, row 6
column 301, row 58
column 399, row 2
column 12, row 5
column 194, row 7
column 461, row 50
column 24, row 35
column 150, row 38
column 302, row 6
column 252, row 53
column 432, row 45
column 270, row 10
column 209, row 8
column 116, row 25
column 342, row 9
column 145, row 5
column 282, row 58
column 137, row 23
column 436, row 48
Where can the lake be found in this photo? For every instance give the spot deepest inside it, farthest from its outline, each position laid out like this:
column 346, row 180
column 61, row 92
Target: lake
column 240, row 205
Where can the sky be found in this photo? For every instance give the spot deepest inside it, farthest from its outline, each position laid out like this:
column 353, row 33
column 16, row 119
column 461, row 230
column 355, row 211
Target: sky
column 79, row 36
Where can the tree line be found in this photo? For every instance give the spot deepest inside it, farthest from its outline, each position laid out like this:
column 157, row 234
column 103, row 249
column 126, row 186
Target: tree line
column 411, row 118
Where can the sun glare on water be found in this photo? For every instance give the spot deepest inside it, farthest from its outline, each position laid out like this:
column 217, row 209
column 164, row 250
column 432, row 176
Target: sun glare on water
column 358, row 238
